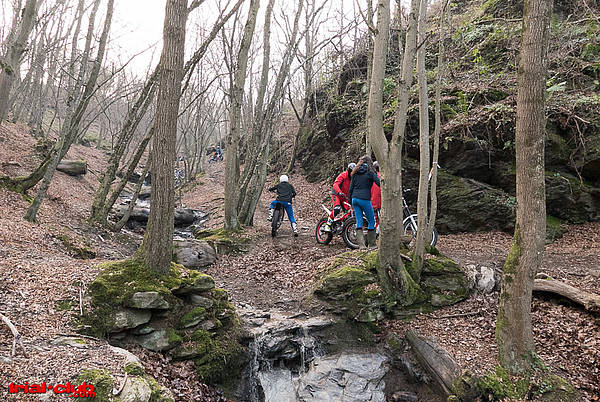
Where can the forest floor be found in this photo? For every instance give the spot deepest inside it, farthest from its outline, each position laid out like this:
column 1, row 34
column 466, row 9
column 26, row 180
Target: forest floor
column 41, row 280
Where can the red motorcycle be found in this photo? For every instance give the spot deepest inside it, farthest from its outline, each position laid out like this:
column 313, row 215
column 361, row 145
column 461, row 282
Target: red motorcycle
column 344, row 224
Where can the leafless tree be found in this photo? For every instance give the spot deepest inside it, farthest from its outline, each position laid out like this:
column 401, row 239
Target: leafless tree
column 514, row 336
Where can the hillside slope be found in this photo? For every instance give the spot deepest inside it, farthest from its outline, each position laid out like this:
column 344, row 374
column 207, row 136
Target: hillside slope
column 478, row 115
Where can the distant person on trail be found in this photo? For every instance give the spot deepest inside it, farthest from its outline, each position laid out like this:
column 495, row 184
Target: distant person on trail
column 219, row 152
column 376, row 192
column 363, row 177
column 285, row 193
column 341, row 185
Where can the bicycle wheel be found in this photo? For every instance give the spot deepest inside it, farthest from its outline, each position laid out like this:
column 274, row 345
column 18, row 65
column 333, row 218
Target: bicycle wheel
column 410, row 228
column 276, row 221
column 322, row 236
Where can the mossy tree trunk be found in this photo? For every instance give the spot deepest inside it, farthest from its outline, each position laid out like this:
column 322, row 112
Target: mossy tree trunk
column 516, row 349
column 156, row 248
column 394, row 279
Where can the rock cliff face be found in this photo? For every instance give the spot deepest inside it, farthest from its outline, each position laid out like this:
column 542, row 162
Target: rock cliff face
column 478, row 117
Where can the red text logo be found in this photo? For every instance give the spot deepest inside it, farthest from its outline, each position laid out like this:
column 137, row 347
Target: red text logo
column 81, row 391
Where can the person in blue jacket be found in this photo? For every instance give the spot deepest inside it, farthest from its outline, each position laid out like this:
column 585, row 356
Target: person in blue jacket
column 363, row 177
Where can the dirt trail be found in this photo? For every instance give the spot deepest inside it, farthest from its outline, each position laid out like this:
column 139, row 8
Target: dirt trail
column 277, row 273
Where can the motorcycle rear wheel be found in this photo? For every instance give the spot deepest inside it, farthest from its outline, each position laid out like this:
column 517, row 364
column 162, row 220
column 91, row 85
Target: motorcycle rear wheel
column 321, row 235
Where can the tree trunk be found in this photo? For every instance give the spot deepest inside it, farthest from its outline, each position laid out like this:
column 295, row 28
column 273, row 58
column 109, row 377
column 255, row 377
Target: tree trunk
column 424, row 156
column 9, row 69
column 395, row 281
column 156, row 248
column 232, row 163
column 516, row 348
column 438, row 122
column 370, row 13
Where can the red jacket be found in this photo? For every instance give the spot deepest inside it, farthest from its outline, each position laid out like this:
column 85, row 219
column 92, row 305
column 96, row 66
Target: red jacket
column 376, row 195
column 342, row 183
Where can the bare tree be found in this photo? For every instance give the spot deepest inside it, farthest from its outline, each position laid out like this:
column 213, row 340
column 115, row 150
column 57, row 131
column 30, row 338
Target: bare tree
column 156, row 248
column 424, row 155
column 11, row 62
column 438, row 120
column 516, row 347
column 393, row 277
column 70, row 128
column 232, row 163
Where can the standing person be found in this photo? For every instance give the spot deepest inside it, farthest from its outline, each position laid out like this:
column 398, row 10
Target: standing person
column 363, row 177
column 285, row 193
column 376, row 192
column 341, row 187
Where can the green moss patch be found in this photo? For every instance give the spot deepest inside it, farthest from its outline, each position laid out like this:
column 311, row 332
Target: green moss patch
column 349, row 283
column 539, row 384
column 101, row 380
column 118, row 281
column 224, row 241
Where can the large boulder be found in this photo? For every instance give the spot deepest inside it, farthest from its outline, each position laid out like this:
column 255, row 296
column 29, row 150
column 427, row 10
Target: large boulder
column 349, row 286
column 72, row 167
column 346, row 377
column 193, row 253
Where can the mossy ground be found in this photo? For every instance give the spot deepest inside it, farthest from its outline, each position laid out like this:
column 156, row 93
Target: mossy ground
column 538, row 384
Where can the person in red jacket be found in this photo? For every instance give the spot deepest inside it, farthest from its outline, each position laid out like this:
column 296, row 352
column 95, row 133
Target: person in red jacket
column 376, row 192
column 341, row 186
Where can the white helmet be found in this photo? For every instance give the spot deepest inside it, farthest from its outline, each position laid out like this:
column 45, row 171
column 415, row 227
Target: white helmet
column 283, row 178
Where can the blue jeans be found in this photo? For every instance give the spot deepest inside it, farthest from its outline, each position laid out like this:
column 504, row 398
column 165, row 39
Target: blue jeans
column 288, row 209
column 365, row 206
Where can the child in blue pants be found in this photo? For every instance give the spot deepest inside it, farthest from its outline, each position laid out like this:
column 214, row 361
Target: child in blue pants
column 285, row 194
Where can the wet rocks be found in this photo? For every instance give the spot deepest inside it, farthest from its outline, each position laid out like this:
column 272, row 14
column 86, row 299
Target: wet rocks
column 345, row 377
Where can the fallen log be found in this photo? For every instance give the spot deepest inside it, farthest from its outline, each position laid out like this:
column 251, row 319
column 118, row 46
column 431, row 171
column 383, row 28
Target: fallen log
column 447, row 374
column 589, row 301
column 438, row 363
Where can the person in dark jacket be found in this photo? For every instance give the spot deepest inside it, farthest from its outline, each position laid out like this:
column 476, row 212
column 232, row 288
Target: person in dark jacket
column 285, row 194
column 363, row 177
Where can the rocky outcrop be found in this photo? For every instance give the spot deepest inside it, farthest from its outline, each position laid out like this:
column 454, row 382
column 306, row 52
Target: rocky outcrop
column 180, row 314
column 349, row 287
column 477, row 144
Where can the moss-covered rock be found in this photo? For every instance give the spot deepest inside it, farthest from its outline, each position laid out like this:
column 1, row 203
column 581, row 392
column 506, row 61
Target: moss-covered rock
column 224, row 241
column 102, row 381
column 119, row 282
column 538, row 384
column 349, row 284
column 192, row 318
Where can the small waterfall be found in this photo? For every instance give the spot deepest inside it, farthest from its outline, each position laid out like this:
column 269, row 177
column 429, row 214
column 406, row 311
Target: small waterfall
column 287, row 363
